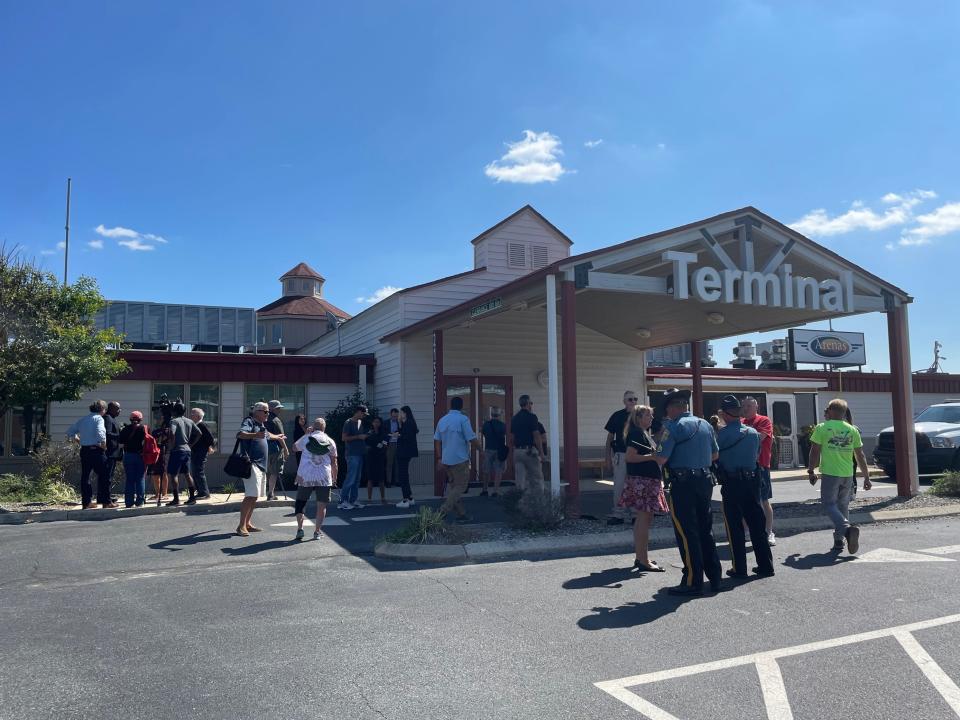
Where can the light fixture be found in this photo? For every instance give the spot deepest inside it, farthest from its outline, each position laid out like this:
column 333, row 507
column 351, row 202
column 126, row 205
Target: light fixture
column 643, row 333
column 715, row 318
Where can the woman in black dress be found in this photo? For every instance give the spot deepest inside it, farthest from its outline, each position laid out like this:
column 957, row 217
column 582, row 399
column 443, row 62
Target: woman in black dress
column 406, row 451
column 375, row 464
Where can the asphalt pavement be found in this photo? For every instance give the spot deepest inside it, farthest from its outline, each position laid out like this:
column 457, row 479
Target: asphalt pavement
column 174, row 617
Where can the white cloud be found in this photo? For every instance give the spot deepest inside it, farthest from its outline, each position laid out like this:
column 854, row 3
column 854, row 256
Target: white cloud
column 661, row 146
column 531, row 160
column 48, row 252
column 61, row 245
column 96, row 244
column 593, row 143
column 133, row 239
column 136, row 244
column 942, row 221
column 378, row 295
column 818, row 223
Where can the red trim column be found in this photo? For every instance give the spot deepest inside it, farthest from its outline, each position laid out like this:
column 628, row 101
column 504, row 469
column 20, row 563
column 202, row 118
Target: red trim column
column 439, row 395
column 568, row 361
column 904, row 436
column 696, row 373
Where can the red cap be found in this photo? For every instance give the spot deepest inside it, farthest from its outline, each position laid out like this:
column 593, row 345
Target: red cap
column 136, row 415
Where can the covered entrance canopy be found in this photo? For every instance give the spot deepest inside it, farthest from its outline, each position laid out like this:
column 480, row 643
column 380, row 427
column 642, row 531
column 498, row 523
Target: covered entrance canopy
column 736, row 273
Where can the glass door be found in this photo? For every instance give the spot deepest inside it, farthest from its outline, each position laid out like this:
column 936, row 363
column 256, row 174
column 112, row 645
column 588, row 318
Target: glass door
column 481, row 396
column 783, row 413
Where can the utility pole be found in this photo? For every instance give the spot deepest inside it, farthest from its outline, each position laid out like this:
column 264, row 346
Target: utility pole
column 66, row 237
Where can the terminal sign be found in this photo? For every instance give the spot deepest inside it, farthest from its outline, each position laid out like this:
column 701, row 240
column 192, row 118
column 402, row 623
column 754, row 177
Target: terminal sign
column 773, row 289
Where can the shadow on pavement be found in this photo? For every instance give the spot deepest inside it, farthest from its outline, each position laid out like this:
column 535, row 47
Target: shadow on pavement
column 634, row 613
column 817, row 560
column 610, row 578
column 259, row 547
column 187, row 540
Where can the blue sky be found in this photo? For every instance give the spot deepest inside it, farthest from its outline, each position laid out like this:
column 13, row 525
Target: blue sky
column 237, row 139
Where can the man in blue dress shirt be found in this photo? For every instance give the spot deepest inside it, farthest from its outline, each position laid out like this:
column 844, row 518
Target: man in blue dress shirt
column 91, row 433
column 452, row 442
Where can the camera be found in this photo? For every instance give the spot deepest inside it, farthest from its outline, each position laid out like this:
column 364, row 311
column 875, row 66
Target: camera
column 165, row 406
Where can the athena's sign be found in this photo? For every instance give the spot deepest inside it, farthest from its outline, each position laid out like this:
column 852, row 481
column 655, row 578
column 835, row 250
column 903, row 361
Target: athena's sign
column 775, row 289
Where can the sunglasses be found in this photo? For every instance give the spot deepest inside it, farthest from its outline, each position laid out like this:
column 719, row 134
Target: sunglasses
column 632, row 399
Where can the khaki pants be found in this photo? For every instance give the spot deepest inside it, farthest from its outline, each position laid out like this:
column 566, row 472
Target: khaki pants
column 527, row 468
column 459, row 477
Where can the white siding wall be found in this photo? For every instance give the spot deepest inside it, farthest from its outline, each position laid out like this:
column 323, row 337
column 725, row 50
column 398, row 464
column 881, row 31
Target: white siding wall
column 424, row 302
column 131, row 394
column 526, row 229
column 322, row 398
column 232, row 413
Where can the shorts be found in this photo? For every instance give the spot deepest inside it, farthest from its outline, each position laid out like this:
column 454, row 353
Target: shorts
column 179, row 462
column 253, row 485
column 275, row 464
column 766, row 487
column 160, row 466
column 304, row 493
column 492, row 462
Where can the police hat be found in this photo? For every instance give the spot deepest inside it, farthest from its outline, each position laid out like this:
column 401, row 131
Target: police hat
column 676, row 395
column 730, row 405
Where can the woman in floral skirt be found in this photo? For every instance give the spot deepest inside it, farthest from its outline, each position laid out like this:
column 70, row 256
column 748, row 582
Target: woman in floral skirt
column 643, row 488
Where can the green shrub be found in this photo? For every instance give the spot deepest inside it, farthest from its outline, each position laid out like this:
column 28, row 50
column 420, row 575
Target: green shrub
column 25, row 489
column 426, row 527
column 947, row 485
column 535, row 509
column 229, row 488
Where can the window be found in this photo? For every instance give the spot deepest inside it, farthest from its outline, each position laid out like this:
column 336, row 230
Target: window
column 290, row 287
column 538, row 254
column 516, row 255
column 276, row 332
column 207, row 398
column 22, row 430
column 292, row 397
column 173, row 391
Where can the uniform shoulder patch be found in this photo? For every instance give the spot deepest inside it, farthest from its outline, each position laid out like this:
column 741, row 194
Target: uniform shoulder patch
column 665, row 434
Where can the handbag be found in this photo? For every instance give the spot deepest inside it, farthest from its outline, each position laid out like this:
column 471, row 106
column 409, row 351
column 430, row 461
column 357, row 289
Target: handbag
column 238, row 465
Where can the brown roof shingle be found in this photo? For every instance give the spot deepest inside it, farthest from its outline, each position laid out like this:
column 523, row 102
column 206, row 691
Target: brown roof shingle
column 308, row 305
column 304, row 271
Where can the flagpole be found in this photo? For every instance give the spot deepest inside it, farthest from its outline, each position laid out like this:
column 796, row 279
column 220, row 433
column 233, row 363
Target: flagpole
column 66, row 237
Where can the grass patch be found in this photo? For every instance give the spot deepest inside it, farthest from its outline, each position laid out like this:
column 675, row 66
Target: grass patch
column 534, row 509
column 947, row 485
column 425, row 528
column 25, row 489
column 229, row 488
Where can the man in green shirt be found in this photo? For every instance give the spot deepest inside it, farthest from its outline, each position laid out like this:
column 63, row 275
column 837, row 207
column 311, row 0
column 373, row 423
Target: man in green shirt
column 834, row 445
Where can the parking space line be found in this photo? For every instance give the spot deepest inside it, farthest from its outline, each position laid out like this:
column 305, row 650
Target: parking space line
column 771, row 679
column 945, row 550
column 928, row 666
column 382, row 517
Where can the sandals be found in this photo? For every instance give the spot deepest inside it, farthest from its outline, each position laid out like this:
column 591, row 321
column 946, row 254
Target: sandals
column 652, row 567
column 242, row 533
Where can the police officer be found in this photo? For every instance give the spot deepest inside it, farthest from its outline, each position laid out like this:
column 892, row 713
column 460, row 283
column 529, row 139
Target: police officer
column 688, row 447
column 740, row 489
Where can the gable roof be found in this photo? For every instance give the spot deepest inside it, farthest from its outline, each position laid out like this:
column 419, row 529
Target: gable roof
column 519, row 212
column 306, row 305
column 302, row 270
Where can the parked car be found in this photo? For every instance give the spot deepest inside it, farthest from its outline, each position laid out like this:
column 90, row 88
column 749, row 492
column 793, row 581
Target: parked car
column 938, row 440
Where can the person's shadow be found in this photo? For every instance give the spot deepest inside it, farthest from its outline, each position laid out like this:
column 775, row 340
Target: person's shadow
column 258, row 548
column 816, row 560
column 187, row 540
column 634, row 613
column 610, row 578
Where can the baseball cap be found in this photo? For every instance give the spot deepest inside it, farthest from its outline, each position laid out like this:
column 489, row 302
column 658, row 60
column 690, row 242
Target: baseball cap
column 730, row 405
column 275, row 405
column 136, row 415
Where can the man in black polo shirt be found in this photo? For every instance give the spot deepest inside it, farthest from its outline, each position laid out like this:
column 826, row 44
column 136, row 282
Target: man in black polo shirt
column 527, row 447
column 615, row 454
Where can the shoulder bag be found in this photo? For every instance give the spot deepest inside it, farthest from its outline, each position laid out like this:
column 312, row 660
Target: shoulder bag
column 238, row 465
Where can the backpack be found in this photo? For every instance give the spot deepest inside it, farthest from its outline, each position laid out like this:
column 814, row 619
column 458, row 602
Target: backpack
column 151, row 451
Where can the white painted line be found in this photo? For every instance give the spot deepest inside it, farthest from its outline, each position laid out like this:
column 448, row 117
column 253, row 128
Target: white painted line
column 774, row 691
column 357, row 518
column 938, row 678
column 889, row 555
column 945, row 550
column 308, row 521
column 777, row 702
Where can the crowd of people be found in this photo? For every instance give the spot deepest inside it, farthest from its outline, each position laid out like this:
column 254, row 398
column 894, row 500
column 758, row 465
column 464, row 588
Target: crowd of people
column 659, row 466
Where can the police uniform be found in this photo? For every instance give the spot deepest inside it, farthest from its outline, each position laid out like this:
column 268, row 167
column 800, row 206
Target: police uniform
column 688, row 444
column 740, row 489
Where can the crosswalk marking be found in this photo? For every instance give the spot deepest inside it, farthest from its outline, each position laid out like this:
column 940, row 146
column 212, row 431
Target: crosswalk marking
column 309, row 521
column 358, row 518
column 890, row 555
column 945, row 550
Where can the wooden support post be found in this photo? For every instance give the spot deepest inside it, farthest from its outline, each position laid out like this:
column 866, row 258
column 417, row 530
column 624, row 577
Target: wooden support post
column 439, row 404
column 904, row 435
column 568, row 355
column 696, row 372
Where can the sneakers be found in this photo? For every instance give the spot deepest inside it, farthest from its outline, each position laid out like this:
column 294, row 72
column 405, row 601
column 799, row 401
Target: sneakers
column 853, row 538
column 837, row 546
column 356, row 506
column 191, row 501
column 771, row 539
column 344, row 506
column 299, row 534
column 317, row 534
column 403, row 504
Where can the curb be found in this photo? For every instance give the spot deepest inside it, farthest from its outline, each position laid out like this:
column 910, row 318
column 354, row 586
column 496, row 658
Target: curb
column 39, row 516
column 617, row 541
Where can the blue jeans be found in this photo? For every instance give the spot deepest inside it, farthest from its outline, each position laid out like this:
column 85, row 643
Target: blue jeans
column 351, row 486
column 135, row 487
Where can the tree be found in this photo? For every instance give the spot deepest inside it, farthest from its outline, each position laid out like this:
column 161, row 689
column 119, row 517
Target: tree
column 50, row 351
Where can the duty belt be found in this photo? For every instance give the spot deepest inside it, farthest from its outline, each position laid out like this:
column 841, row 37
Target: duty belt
column 688, row 473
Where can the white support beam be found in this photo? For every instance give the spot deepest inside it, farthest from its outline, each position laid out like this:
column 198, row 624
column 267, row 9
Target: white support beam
column 627, row 283
column 778, row 257
column 711, row 242
column 553, row 385
column 867, row 303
